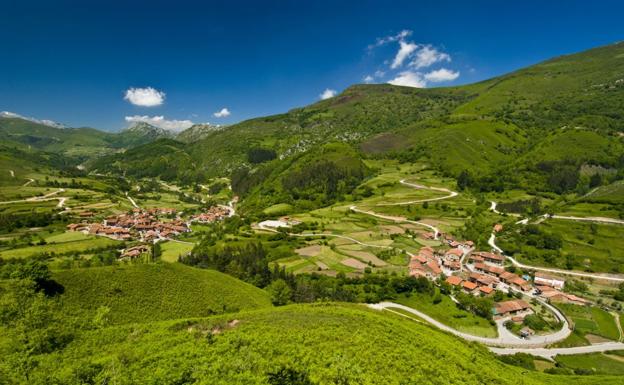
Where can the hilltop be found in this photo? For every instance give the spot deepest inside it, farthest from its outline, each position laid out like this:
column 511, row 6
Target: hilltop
column 151, row 292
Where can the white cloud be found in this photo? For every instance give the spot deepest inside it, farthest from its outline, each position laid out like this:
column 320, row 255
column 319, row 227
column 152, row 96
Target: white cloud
column 441, row 75
column 389, row 39
column 368, row 79
column 405, row 50
column 328, row 93
column 379, row 74
column 145, row 97
column 224, row 113
column 161, row 122
column 427, row 56
column 409, row 79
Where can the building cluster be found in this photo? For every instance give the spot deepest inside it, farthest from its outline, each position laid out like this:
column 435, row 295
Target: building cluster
column 144, row 225
column 134, row 252
column 213, row 214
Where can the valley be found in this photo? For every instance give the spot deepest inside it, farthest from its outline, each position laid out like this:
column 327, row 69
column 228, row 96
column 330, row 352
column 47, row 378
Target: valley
column 469, row 234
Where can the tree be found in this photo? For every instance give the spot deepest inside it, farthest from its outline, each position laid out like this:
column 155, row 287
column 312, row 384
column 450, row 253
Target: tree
column 464, row 180
column 280, row 292
column 35, row 271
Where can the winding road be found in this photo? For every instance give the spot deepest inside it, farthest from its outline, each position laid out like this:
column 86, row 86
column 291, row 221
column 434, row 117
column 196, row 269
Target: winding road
column 609, row 277
column 505, row 337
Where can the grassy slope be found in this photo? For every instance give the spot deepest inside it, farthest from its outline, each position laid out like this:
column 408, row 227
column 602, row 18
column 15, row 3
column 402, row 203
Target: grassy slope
column 138, row 293
column 334, row 343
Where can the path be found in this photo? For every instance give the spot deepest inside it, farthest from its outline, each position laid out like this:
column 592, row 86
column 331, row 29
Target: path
column 12, row 173
column 451, row 194
column 552, row 352
column 30, row 180
column 604, row 276
column 132, row 201
column 616, row 316
column 525, row 221
column 396, row 219
column 505, row 337
column 42, row 198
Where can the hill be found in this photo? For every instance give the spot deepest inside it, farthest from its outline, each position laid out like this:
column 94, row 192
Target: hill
column 567, row 110
column 196, row 132
column 77, row 143
column 150, row 292
column 316, row 344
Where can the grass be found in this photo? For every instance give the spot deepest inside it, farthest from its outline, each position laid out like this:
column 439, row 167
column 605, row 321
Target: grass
column 447, row 312
column 150, row 292
column 172, row 250
column 592, row 320
column 333, row 344
column 597, row 363
column 79, row 246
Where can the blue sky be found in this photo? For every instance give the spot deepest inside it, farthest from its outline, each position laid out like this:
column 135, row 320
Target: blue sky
column 84, row 63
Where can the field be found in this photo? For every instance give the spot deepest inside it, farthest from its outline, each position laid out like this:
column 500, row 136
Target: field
column 596, row 363
column 592, row 320
column 150, row 292
column 359, row 347
column 172, row 250
column 447, row 312
column 63, row 244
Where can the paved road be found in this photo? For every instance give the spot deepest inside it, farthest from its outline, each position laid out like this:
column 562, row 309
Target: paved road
column 505, row 337
column 604, row 276
column 550, row 353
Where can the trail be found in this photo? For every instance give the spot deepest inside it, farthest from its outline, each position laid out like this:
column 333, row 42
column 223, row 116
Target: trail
column 42, row 198
column 12, row 173
column 30, row 180
column 132, row 201
column 616, row 316
column 451, row 194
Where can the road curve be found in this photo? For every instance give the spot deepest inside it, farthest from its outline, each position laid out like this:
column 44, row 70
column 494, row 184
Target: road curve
column 505, row 338
column 451, row 194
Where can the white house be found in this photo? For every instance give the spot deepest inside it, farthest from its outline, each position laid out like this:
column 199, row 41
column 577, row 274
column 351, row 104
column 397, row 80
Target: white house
column 549, row 280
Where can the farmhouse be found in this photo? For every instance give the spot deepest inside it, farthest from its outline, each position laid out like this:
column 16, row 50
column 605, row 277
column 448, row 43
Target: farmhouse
column 507, row 308
column 489, row 269
column 454, row 280
column 496, row 259
column 548, row 280
column 469, row 286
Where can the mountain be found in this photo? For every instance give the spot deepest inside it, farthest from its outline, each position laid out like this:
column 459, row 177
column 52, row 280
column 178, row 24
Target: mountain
column 47, row 122
column 75, row 144
column 517, row 130
column 197, row 132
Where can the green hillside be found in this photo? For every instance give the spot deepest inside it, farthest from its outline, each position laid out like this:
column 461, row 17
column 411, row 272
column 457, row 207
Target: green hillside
column 323, row 344
column 150, row 292
column 564, row 111
column 79, row 143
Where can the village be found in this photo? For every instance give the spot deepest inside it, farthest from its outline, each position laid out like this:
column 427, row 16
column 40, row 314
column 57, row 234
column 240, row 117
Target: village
column 483, row 273
column 148, row 226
